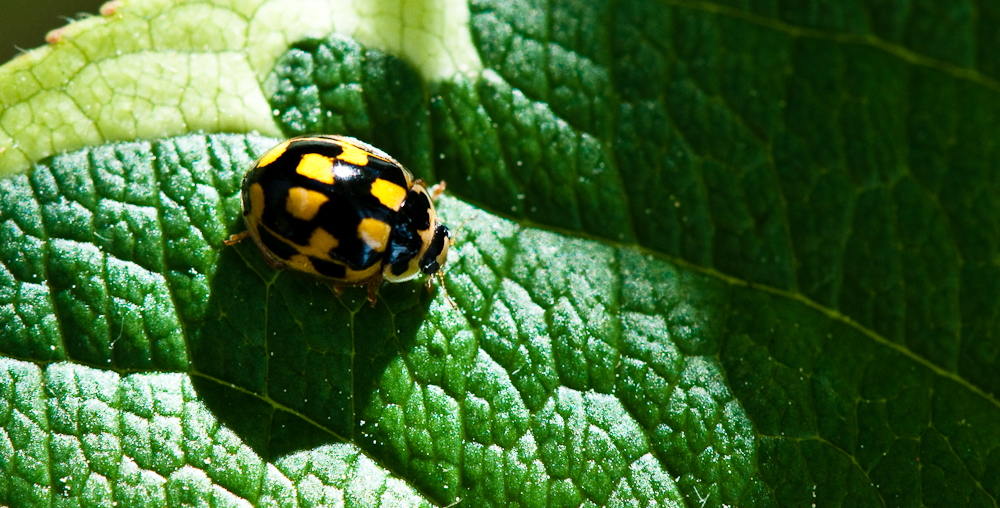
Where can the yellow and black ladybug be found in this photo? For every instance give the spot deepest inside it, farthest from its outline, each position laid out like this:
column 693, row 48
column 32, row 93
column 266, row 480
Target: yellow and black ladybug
column 342, row 210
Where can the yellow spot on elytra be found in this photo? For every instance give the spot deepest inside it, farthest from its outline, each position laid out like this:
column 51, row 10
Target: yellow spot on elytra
column 256, row 200
column 317, row 167
column 304, row 203
column 301, row 263
column 388, row 193
column 320, row 244
column 361, row 275
column 412, row 270
column 273, row 154
column 374, row 233
column 353, row 154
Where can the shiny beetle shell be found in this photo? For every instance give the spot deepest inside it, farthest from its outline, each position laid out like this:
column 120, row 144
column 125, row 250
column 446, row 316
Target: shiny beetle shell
column 342, row 210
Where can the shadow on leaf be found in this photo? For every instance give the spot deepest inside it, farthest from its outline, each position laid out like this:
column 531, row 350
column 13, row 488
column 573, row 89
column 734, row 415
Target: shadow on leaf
column 284, row 363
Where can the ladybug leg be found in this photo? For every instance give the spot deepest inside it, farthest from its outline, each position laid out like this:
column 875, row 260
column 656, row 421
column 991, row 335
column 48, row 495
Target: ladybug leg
column 372, row 283
column 237, row 238
column 372, row 288
column 437, row 189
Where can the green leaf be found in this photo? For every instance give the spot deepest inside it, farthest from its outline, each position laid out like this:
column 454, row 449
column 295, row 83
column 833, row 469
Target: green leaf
column 79, row 434
column 706, row 256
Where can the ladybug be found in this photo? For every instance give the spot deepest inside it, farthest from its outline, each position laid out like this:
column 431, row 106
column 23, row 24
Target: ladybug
column 344, row 211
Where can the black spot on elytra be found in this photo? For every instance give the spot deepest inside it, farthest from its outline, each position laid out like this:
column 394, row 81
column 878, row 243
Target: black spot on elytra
column 280, row 249
column 329, row 269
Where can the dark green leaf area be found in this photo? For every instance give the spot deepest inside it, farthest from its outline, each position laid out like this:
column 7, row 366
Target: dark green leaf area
column 575, row 373
column 111, row 249
column 831, row 167
column 336, row 86
column 79, row 436
column 558, row 56
column 844, row 417
column 952, row 32
column 503, row 150
column 706, row 194
column 285, row 337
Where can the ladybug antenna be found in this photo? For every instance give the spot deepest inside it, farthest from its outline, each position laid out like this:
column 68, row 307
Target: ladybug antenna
column 454, row 237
